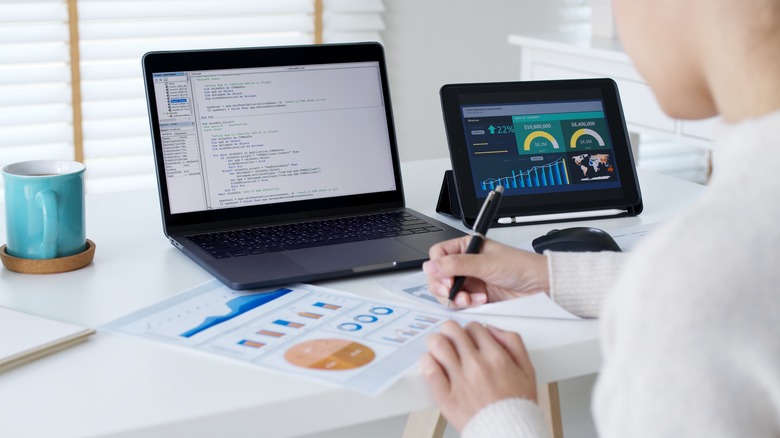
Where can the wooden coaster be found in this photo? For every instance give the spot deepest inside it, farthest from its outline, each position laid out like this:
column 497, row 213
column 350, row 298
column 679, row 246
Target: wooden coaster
column 48, row 266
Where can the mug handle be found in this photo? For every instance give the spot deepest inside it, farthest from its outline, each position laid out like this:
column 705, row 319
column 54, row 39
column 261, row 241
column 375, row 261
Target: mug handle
column 47, row 199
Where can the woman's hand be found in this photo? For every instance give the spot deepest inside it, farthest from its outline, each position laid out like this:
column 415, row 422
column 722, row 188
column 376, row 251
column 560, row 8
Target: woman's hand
column 468, row 369
column 497, row 273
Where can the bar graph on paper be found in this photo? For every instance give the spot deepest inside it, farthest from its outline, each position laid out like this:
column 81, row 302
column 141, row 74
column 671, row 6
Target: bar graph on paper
column 301, row 329
column 238, row 306
column 545, row 175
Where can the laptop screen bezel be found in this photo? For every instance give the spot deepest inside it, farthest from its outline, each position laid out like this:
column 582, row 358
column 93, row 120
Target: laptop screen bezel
column 221, row 59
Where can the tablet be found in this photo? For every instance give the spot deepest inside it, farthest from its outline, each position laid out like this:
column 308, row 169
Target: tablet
column 559, row 148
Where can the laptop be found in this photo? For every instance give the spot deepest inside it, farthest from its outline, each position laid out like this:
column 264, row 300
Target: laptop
column 279, row 164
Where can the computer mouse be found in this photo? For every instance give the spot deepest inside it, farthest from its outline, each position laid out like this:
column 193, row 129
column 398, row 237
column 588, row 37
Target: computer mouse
column 576, row 239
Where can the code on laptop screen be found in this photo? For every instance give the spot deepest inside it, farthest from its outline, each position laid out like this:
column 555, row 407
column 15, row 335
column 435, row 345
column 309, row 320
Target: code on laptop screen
column 243, row 137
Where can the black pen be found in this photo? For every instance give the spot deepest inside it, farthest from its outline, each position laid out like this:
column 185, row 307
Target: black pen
column 486, row 216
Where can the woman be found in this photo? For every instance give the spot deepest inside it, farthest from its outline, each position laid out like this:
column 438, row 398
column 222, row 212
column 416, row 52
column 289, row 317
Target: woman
column 691, row 321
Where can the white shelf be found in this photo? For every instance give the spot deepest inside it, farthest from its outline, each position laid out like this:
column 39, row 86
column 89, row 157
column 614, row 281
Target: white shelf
column 578, row 55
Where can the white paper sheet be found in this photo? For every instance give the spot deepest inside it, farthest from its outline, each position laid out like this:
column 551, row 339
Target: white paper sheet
column 540, row 305
column 324, row 334
column 415, row 287
column 626, row 238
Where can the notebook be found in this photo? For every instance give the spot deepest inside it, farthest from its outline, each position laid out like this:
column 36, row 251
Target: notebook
column 29, row 337
column 279, row 164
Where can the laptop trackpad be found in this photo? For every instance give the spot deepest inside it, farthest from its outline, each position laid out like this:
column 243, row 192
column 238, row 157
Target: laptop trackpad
column 346, row 256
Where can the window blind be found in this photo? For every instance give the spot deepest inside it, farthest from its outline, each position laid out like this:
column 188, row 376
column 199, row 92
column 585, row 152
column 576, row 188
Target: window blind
column 36, row 117
column 35, row 109
column 352, row 20
column 114, row 35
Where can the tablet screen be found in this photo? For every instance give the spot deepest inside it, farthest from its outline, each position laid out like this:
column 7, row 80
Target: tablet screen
column 533, row 148
column 555, row 147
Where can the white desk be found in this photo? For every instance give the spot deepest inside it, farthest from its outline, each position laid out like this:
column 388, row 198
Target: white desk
column 120, row 386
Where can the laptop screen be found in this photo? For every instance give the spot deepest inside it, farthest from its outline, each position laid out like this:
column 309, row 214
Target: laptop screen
column 268, row 135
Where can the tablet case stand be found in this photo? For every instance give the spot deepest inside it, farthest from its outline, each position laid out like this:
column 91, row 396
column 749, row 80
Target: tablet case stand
column 573, row 99
column 448, row 202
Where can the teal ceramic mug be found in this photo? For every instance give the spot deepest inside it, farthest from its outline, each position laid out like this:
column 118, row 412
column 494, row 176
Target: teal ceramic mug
column 44, row 209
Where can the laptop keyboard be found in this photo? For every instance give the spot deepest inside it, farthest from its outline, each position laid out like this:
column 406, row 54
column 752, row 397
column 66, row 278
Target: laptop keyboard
column 250, row 241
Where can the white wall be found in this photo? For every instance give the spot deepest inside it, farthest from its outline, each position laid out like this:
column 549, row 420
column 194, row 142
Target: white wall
column 430, row 43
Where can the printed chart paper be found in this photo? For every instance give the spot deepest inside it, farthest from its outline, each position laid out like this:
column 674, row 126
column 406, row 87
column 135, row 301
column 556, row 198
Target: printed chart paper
column 626, row 237
column 415, row 287
column 540, row 305
column 363, row 345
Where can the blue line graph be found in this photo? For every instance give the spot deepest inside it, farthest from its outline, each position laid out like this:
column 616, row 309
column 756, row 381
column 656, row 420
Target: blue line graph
column 551, row 174
column 238, row 306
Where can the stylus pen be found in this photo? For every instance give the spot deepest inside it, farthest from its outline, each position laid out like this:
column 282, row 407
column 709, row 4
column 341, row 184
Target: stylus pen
column 486, row 216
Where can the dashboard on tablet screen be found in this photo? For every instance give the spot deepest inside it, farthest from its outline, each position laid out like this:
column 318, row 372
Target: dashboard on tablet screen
column 555, row 146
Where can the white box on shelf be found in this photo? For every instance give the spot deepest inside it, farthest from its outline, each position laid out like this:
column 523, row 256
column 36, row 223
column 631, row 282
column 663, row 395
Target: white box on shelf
column 602, row 20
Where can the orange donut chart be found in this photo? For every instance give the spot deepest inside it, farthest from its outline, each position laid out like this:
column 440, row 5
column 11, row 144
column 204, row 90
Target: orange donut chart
column 329, row 354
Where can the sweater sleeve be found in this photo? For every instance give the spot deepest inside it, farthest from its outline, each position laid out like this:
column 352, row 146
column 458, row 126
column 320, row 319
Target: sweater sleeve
column 579, row 281
column 690, row 340
column 508, row 418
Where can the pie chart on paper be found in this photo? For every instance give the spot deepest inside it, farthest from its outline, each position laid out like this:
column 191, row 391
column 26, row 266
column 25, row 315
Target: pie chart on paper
column 329, row 354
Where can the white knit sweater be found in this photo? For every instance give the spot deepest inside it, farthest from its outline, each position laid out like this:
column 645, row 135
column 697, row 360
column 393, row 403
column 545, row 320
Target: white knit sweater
column 691, row 327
